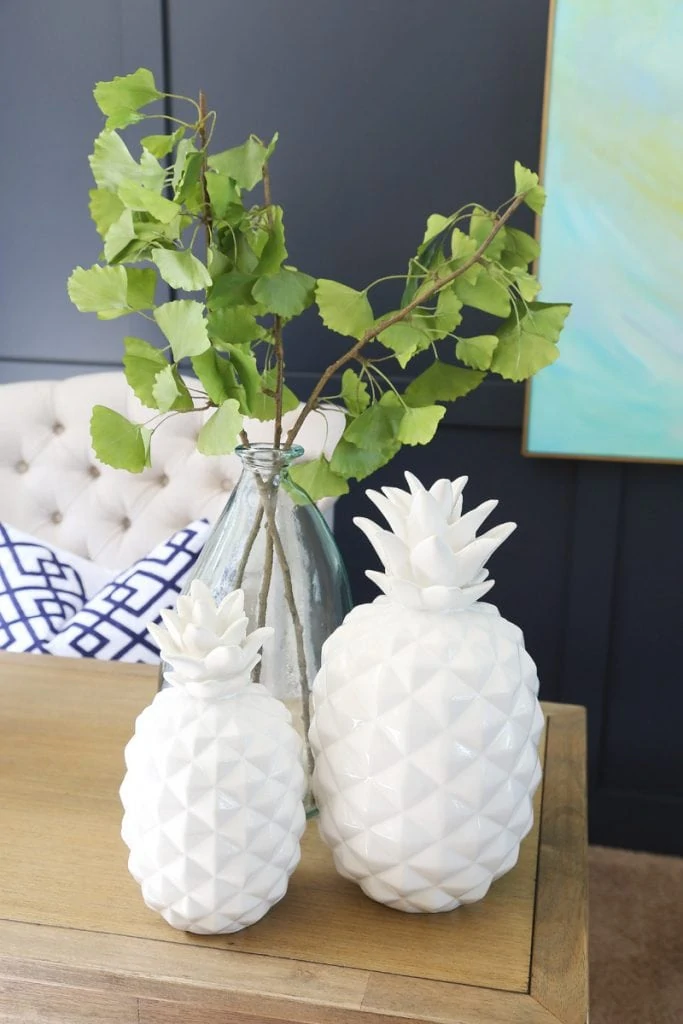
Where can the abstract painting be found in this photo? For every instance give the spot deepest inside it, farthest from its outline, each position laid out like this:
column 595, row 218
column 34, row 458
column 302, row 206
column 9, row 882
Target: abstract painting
column 612, row 232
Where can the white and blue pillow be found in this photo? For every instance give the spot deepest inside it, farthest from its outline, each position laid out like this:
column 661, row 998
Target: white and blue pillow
column 41, row 588
column 113, row 624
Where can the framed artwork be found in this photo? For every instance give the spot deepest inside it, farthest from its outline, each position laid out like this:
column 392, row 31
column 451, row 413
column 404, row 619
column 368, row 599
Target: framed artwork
column 612, row 233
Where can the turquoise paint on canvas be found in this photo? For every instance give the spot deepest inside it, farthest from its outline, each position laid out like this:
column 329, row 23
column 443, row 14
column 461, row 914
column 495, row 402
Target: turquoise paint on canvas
column 612, row 232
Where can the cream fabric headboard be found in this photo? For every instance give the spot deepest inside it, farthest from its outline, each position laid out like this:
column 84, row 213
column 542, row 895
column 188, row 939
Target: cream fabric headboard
column 52, row 486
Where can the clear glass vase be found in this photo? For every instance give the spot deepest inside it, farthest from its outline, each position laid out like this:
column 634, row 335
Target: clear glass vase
column 272, row 541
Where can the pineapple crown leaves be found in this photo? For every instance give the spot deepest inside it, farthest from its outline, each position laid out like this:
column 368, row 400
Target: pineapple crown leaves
column 432, row 556
column 207, row 644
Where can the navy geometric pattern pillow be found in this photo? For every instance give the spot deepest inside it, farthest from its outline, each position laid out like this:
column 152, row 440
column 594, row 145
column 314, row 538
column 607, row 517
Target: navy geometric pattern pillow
column 41, row 588
column 112, row 626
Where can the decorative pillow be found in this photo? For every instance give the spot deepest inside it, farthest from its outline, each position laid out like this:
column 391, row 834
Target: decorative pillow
column 112, row 626
column 41, row 588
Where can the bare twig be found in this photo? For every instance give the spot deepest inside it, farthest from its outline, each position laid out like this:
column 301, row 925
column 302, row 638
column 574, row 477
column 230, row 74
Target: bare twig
column 265, row 585
column 277, row 326
column 206, row 204
column 251, row 540
column 273, row 532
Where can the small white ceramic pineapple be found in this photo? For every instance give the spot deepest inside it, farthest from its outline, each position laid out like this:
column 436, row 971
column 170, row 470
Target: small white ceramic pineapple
column 426, row 720
column 214, row 787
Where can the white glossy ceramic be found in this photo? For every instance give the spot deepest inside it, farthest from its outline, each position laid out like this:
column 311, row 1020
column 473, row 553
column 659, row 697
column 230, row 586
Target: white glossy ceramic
column 426, row 718
column 214, row 785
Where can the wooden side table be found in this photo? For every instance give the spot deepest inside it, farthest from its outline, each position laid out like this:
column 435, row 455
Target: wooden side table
column 78, row 945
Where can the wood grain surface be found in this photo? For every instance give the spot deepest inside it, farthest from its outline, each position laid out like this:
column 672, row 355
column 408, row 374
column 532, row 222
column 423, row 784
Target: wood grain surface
column 71, row 916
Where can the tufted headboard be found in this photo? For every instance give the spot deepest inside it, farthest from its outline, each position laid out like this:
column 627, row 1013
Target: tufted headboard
column 52, row 486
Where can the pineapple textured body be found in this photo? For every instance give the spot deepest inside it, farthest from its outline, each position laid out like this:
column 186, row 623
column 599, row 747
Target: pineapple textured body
column 214, row 808
column 426, row 718
column 213, row 793
column 425, row 734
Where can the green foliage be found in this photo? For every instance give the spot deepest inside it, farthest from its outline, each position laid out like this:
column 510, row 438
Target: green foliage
column 234, row 325
column 244, row 363
column 442, row 382
column 274, row 250
column 527, row 341
column 343, row 309
column 137, row 196
column 318, row 479
column 354, row 393
column 377, row 427
column 407, row 338
column 119, row 237
column 185, row 224
column 520, row 249
column 220, row 433
column 263, row 405
column 488, row 293
column 526, row 182
column 481, row 223
column 118, row 442
column 105, row 209
column 418, row 424
column 244, row 164
column 141, row 363
column 181, row 269
column 182, row 323
column 354, row 463
column 477, row 352
column 448, row 313
column 232, row 289
column 224, row 196
column 286, row 293
column 217, row 376
column 111, row 291
column 122, row 98
column 170, row 391
column 161, row 145
column 112, row 165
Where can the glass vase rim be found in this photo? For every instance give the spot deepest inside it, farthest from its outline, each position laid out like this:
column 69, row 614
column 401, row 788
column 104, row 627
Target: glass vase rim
column 267, row 453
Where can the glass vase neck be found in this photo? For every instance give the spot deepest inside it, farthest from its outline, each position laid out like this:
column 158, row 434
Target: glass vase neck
column 266, row 458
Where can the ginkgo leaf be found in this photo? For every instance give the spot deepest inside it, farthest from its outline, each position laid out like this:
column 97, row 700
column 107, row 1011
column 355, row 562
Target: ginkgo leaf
column 318, row 479
column 161, row 145
column 183, row 324
column 526, row 182
column 220, row 433
column 122, row 97
column 234, row 325
column 111, row 291
column 527, row 341
column 137, row 196
column 112, row 164
column 119, row 236
column 477, row 352
column 354, row 393
column 343, row 309
column 350, row 461
column 105, row 209
column 419, row 424
column 286, row 293
column 244, row 164
column 117, row 442
column 181, row 269
column 442, row 382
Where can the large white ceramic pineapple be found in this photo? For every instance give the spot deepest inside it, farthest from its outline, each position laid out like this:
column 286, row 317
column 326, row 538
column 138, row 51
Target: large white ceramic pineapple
column 426, row 720
column 214, row 787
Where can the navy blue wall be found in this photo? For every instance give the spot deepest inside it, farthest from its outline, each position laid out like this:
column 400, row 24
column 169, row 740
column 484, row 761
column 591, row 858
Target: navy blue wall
column 388, row 110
